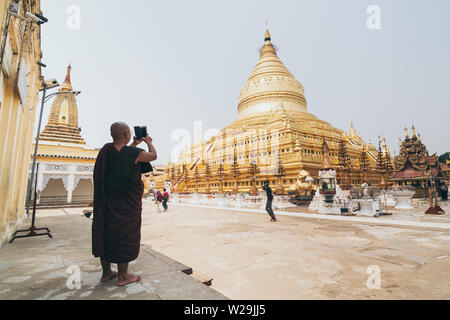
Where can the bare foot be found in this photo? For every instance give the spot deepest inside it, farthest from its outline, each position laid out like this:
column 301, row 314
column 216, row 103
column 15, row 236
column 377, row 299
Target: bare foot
column 127, row 278
column 108, row 276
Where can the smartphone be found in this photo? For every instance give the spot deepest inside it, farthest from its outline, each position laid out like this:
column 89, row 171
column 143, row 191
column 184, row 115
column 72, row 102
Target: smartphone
column 140, row 132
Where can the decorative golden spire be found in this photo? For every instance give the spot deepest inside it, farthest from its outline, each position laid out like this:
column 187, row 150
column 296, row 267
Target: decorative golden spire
column 414, row 131
column 267, row 35
column 384, row 145
column 67, row 79
column 62, row 123
column 352, row 133
column 406, row 133
column 270, row 82
column 326, row 163
column 67, row 85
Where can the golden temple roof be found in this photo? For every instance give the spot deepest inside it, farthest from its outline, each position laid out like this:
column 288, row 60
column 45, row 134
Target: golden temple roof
column 62, row 123
column 268, row 84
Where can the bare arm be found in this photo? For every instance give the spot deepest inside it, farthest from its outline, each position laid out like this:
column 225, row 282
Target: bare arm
column 145, row 156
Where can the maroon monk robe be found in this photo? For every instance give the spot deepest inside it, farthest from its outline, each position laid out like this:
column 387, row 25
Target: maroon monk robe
column 116, row 227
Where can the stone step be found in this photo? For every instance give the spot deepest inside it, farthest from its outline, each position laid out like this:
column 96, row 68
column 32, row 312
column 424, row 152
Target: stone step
column 177, row 265
column 207, row 281
column 61, row 205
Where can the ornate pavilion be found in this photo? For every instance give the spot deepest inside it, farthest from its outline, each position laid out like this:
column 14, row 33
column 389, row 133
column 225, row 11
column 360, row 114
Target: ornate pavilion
column 273, row 138
column 66, row 164
column 414, row 166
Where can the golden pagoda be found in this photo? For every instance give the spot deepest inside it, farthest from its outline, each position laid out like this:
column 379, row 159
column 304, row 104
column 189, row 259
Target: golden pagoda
column 62, row 123
column 66, row 163
column 273, row 129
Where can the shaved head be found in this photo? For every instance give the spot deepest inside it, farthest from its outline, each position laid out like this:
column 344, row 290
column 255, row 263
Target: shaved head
column 119, row 131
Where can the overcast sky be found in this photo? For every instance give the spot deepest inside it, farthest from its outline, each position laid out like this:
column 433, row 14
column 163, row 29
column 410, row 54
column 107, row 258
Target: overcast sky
column 166, row 64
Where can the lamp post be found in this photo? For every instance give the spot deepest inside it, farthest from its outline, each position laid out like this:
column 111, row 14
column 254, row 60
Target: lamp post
column 49, row 84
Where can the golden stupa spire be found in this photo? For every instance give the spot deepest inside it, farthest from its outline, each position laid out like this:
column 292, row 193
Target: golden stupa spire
column 269, row 82
column 406, row 133
column 326, row 163
column 67, row 85
column 268, row 49
column 352, row 132
column 267, row 35
column 62, row 123
column 414, row 131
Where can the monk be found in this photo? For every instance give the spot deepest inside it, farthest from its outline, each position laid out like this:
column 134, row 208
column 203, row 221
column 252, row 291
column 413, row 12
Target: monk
column 118, row 189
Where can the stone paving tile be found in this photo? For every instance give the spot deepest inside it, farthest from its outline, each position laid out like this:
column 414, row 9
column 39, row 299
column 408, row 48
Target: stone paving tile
column 302, row 258
column 37, row 268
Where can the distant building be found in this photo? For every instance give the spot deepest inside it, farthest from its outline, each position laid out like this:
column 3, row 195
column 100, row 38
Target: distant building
column 66, row 163
column 414, row 166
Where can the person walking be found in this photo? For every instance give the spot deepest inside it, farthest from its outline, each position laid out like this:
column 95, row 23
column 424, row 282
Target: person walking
column 159, row 199
column 269, row 201
column 444, row 192
column 165, row 199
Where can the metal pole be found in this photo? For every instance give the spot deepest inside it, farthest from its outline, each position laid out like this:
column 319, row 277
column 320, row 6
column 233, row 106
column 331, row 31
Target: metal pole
column 33, row 219
column 35, row 151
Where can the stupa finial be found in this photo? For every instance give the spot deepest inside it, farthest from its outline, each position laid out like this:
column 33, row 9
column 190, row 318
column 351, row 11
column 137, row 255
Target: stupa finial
column 267, row 35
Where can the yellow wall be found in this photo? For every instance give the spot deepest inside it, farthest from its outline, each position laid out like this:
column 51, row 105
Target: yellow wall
column 17, row 121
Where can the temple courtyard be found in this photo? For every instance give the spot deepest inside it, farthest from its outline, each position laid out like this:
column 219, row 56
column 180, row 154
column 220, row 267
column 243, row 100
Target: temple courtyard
column 302, row 256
